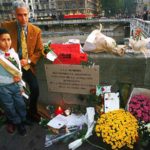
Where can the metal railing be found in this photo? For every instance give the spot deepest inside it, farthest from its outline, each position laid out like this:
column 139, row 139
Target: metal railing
column 134, row 23
column 81, row 21
column 140, row 23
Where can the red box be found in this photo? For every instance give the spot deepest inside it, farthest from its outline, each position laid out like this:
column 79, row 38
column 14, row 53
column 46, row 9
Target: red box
column 68, row 54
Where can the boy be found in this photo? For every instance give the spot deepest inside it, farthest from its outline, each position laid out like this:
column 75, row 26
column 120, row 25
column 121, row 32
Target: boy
column 29, row 51
column 11, row 98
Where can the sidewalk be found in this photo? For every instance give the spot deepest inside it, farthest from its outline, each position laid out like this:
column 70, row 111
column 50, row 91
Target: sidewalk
column 34, row 140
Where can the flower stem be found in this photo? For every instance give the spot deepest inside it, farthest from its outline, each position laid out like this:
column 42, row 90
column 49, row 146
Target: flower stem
column 95, row 145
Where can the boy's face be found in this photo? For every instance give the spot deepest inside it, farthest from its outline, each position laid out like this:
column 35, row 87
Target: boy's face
column 22, row 15
column 5, row 42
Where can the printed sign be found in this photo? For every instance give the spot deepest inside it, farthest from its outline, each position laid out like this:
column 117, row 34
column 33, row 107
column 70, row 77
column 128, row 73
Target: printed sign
column 74, row 79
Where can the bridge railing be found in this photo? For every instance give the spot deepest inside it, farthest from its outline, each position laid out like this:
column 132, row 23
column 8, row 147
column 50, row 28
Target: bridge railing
column 80, row 21
column 140, row 23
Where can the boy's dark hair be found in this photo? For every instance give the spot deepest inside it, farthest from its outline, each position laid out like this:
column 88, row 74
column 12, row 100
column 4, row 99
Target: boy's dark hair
column 3, row 31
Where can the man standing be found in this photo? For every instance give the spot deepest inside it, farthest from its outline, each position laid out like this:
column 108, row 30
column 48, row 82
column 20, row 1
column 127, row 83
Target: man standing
column 26, row 40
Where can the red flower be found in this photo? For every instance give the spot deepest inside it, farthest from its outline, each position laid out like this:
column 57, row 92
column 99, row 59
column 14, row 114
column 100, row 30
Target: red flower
column 138, row 31
column 93, row 91
column 103, row 89
column 7, row 54
column 139, row 106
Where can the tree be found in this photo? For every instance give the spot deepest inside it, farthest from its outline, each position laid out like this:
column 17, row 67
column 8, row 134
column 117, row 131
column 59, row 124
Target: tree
column 111, row 7
column 129, row 6
column 117, row 6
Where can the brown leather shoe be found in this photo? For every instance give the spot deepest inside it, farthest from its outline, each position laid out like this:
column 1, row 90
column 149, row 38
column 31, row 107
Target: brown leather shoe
column 10, row 128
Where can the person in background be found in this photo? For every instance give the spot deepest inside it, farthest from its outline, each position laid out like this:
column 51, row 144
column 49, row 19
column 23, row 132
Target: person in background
column 11, row 99
column 149, row 15
column 27, row 41
column 145, row 15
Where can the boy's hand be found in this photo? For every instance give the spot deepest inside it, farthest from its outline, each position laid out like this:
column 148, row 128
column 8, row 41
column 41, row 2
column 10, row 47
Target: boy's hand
column 22, row 91
column 17, row 78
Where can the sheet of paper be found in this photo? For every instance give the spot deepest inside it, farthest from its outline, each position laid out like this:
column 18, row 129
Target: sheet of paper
column 111, row 102
column 51, row 56
column 57, row 122
column 75, row 120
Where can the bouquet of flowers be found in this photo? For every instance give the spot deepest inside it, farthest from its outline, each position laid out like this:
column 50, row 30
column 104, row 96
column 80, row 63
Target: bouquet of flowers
column 10, row 63
column 48, row 52
column 11, row 59
column 139, row 106
column 118, row 129
column 138, row 34
column 46, row 48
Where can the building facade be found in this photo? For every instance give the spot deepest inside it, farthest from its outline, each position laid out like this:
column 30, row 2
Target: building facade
column 146, row 4
column 78, row 6
column 142, row 5
column 6, row 9
column 47, row 9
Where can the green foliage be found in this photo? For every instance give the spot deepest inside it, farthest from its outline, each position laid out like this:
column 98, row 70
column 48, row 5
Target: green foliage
column 43, row 122
column 89, row 63
column 144, row 135
column 47, row 47
column 124, row 92
column 113, row 7
column 129, row 6
column 13, row 61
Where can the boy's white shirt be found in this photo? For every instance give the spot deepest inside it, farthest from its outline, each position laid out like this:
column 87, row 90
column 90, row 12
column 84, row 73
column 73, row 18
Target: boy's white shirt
column 14, row 55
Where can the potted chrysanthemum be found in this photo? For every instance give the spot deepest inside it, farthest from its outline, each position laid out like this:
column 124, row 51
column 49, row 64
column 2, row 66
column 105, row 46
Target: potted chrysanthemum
column 118, row 129
column 139, row 106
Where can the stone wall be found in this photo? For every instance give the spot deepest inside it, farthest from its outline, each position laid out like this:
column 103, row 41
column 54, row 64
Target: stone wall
column 133, row 68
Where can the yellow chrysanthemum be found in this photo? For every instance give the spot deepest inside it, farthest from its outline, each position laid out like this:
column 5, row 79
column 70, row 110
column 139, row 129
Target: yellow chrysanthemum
column 117, row 128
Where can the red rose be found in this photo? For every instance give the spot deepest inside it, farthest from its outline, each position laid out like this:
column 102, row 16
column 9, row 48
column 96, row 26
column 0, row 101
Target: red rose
column 103, row 89
column 7, row 55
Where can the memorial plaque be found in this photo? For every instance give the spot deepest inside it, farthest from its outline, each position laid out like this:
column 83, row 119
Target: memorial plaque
column 75, row 79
